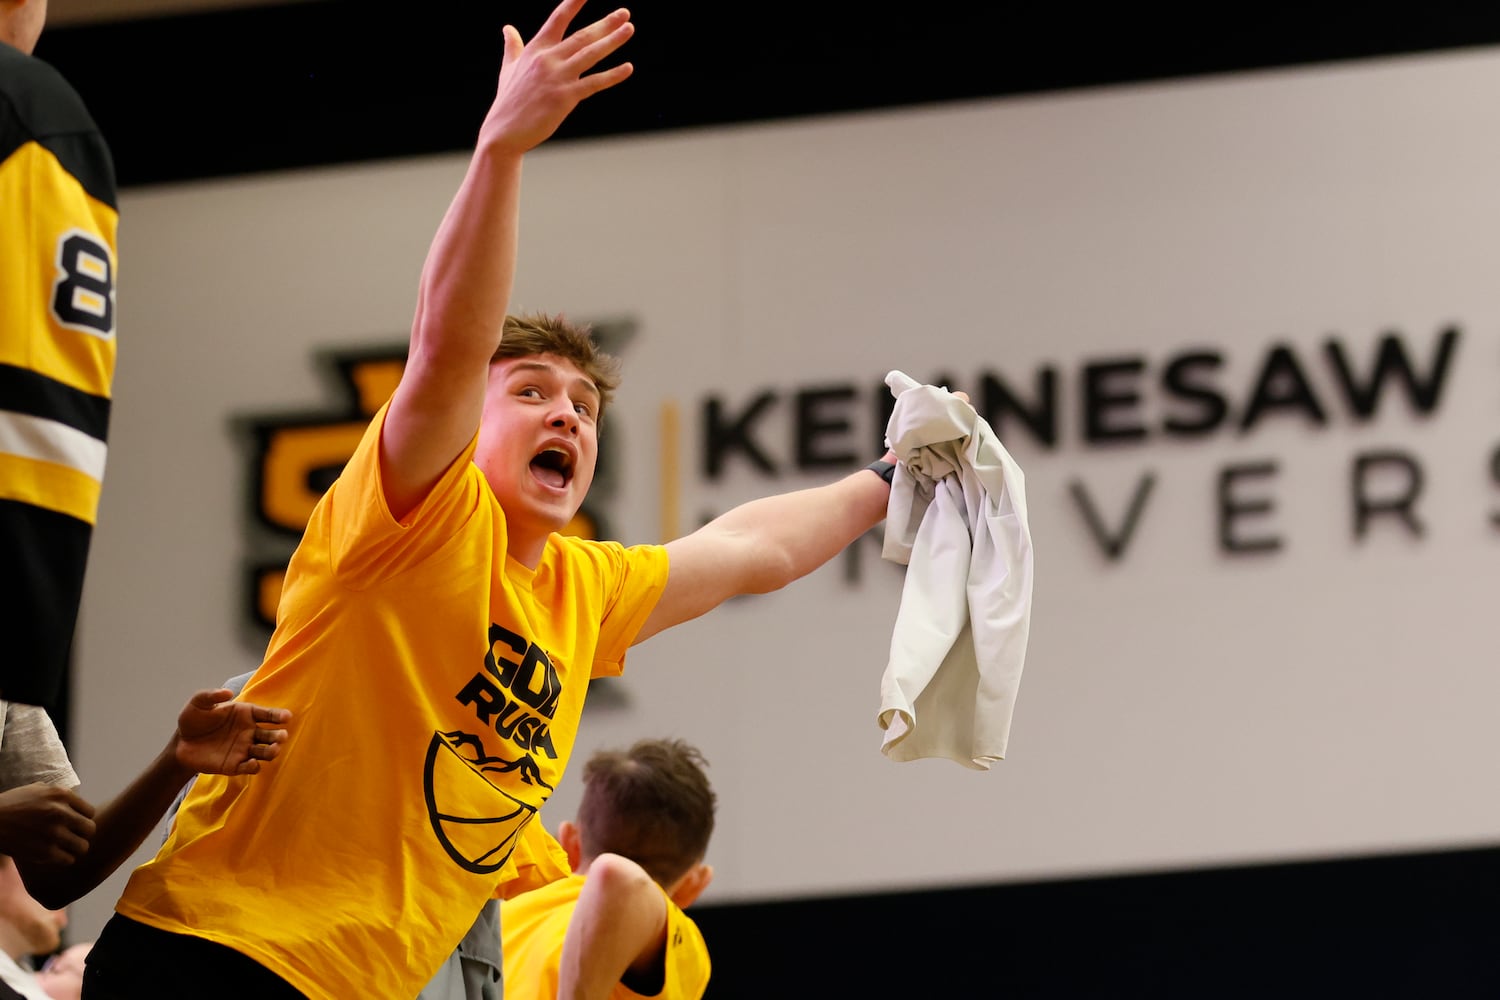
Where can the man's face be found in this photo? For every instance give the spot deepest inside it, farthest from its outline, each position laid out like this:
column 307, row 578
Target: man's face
column 539, row 441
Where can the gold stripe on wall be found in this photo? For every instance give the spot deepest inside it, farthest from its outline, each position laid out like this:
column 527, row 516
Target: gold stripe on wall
column 670, row 479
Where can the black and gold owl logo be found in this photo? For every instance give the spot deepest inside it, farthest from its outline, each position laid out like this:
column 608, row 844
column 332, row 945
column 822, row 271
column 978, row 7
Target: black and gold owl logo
column 295, row 457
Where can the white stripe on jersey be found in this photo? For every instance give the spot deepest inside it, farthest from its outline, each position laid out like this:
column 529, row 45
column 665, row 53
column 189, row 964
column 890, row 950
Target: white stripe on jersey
column 31, row 437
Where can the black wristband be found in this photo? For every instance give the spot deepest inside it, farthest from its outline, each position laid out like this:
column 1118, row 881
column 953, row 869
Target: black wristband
column 885, row 470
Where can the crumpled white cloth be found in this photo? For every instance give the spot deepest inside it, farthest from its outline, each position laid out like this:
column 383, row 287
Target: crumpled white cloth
column 957, row 520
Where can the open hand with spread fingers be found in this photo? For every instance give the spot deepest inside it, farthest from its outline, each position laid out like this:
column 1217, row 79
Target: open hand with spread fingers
column 541, row 81
column 217, row 735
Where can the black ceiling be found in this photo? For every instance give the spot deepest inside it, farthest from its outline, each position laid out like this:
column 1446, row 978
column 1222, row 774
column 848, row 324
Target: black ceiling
column 306, row 84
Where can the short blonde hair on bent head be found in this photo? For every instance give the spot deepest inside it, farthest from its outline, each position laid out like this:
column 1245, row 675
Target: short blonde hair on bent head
column 529, row 334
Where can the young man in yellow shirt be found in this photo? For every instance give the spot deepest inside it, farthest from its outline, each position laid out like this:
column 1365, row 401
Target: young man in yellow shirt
column 437, row 632
column 615, row 929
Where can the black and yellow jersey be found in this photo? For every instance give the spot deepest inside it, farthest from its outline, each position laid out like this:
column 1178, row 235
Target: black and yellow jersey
column 58, row 222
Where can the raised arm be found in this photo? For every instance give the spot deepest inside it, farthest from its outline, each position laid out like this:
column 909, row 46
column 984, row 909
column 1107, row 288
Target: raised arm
column 466, row 280
column 764, row 545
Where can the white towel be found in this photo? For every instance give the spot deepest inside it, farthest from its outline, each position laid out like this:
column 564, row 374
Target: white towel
column 957, row 520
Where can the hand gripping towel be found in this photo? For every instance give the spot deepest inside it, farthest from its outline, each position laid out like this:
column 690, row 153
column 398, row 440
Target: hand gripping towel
column 957, row 521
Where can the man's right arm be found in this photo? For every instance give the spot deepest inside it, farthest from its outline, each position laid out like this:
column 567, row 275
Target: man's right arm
column 618, row 930
column 470, row 268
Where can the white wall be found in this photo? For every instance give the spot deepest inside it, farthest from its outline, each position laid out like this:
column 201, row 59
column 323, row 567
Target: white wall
column 1180, row 706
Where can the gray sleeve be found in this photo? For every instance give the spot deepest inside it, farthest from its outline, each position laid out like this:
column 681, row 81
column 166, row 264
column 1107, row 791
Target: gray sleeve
column 30, row 749
column 238, row 681
column 472, row 972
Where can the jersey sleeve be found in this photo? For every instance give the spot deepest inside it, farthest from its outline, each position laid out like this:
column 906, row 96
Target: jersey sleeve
column 686, row 966
column 30, row 750
column 365, row 541
column 639, row 575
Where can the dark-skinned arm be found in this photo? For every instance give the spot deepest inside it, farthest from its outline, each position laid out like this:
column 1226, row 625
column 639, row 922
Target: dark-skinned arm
column 214, row 735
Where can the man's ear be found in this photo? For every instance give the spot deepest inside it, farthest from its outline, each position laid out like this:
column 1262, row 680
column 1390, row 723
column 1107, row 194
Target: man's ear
column 686, row 890
column 571, row 841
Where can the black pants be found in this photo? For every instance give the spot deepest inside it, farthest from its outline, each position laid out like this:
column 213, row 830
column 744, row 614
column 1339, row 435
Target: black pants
column 131, row 961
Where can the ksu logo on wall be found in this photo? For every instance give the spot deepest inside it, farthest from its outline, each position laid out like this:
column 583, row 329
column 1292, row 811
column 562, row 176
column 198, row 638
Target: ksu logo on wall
column 294, row 457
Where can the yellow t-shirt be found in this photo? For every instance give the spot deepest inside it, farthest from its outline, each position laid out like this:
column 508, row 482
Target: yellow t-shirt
column 537, row 860
column 533, row 925
column 436, row 687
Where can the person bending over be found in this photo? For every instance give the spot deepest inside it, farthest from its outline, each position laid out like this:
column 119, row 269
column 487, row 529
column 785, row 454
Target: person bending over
column 615, row 929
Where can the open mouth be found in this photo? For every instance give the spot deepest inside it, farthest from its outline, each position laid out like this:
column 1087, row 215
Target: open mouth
column 553, row 467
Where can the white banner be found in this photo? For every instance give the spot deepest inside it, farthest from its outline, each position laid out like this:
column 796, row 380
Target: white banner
column 1241, row 333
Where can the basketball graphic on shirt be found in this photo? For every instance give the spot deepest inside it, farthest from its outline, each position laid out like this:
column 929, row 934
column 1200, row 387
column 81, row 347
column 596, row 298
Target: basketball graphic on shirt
column 476, row 822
